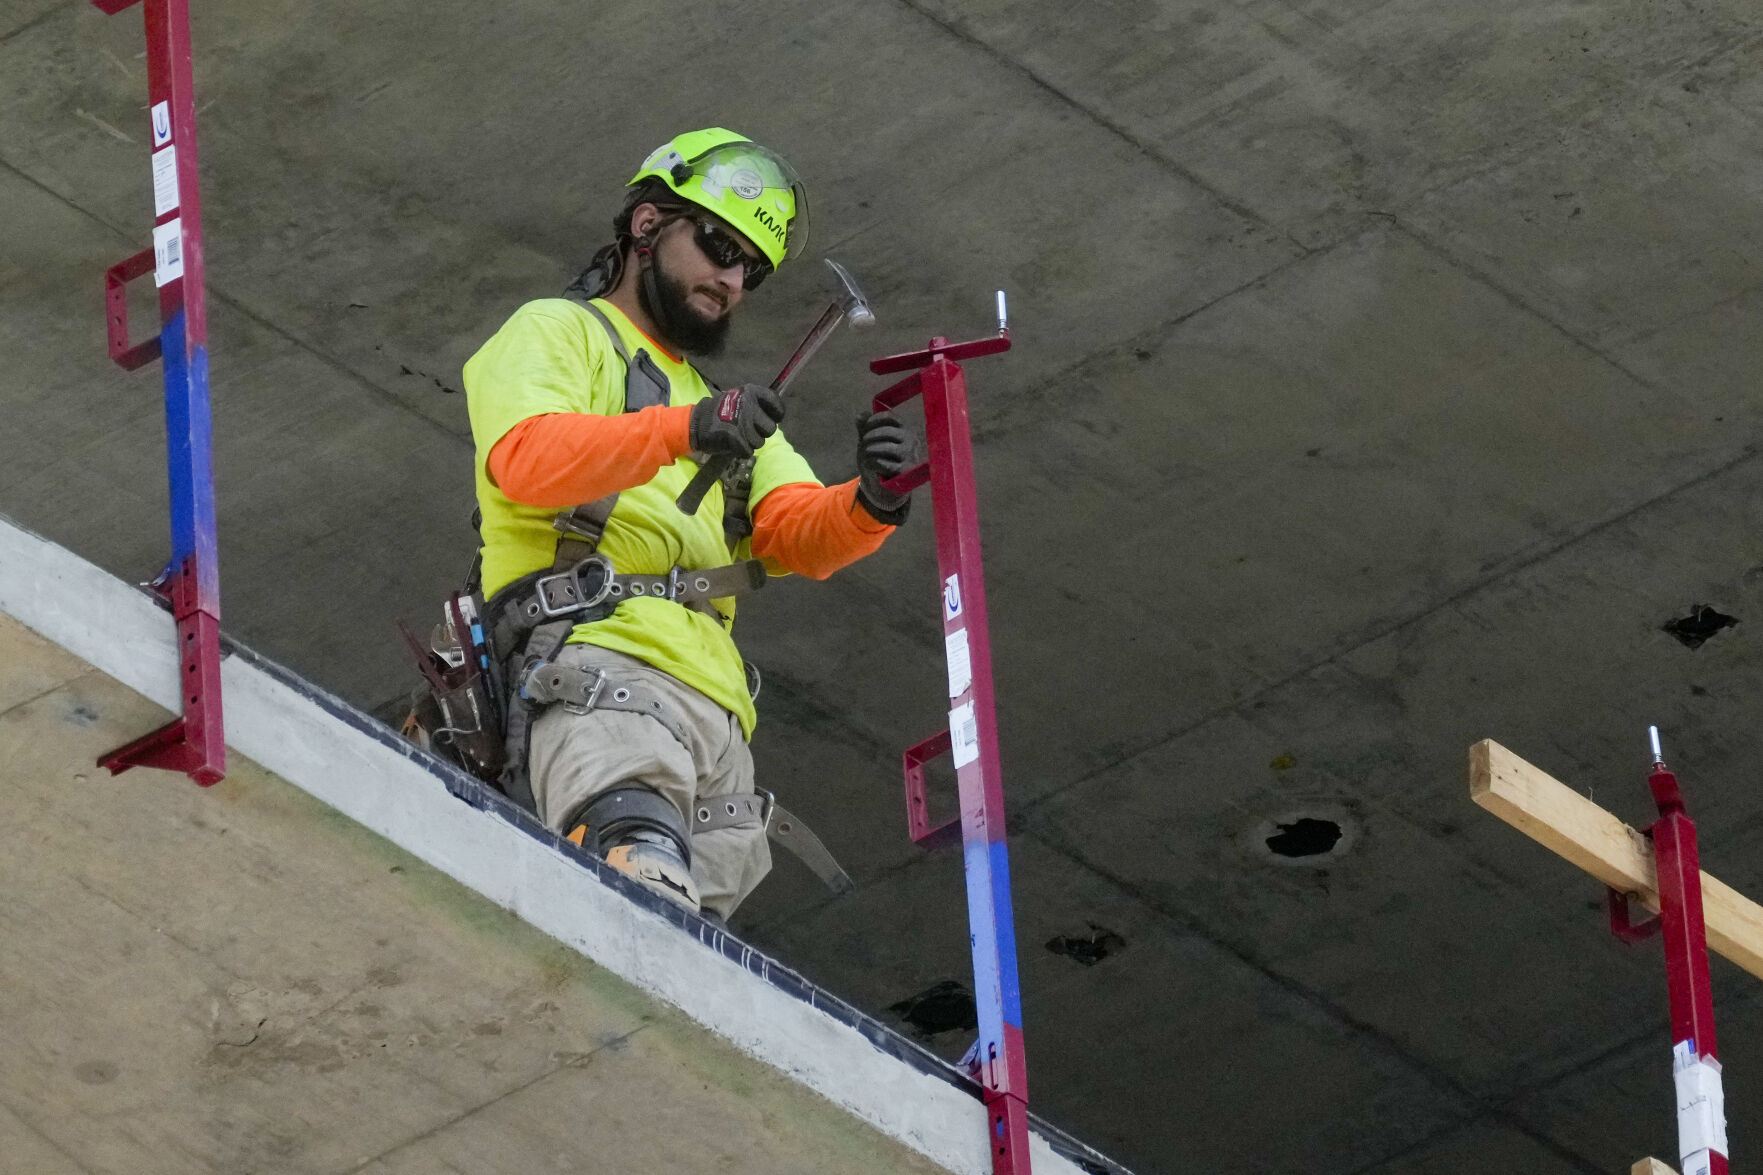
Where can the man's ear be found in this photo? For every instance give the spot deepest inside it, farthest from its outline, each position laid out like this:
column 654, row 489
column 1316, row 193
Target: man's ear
column 643, row 218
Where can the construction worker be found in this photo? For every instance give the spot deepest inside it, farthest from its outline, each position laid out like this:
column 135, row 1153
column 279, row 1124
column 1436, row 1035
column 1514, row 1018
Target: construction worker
column 629, row 717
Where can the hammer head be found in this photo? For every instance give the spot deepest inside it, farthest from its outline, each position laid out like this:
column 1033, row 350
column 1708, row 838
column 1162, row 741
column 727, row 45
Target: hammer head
column 856, row 306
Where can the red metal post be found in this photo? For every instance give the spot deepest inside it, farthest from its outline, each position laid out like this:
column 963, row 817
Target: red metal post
column 194, row 743
column 972, row 735
column 1701, row 1117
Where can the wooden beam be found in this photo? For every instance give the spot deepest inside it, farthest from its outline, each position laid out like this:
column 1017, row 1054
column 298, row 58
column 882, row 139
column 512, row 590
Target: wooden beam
column 1560, row 819
column 1651, row 1167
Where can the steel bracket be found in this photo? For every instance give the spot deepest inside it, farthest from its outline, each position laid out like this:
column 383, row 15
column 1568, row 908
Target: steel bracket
column 918, row 825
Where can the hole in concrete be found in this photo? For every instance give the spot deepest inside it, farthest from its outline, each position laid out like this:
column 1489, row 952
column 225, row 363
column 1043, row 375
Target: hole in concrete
column 1305, row 837
column 1693, row 631
column 941, row 1007
column 1088, row 949
column 1314, row 836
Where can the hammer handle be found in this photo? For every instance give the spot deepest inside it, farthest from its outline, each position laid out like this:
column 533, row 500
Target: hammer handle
column 708, row 473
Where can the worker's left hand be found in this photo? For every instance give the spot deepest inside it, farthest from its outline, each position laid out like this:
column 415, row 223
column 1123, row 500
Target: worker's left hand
column 885, row 449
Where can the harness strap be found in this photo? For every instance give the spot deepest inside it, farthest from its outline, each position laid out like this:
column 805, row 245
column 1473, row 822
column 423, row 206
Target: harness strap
column 582, row 528
column 544, row 643
column 591, row 589
column 581, row 690
column 645, row 386
column 782, row 826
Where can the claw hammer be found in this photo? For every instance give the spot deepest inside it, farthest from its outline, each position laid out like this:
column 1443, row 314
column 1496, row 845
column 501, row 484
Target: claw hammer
column 849, row 303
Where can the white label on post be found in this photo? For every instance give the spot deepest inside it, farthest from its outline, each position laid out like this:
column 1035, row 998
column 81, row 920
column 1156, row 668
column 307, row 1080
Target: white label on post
column 1701, row 1109
column 960, row 662
column 165, row 180
column 952, row 597
column 168, row 251
column 161, row 124
column 963, row 735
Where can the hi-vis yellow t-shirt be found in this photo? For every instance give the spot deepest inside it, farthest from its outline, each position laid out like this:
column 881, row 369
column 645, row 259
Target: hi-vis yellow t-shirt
column 554, row 356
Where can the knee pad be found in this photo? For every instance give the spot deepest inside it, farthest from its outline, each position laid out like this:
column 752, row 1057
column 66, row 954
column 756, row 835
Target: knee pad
column 626, row 811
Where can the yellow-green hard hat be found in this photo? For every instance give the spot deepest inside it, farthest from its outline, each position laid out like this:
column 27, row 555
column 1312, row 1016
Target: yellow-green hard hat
column 751, row 187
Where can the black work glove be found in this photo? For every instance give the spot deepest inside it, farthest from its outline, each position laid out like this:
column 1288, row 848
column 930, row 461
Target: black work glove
column 885, row 449
column 736, row 422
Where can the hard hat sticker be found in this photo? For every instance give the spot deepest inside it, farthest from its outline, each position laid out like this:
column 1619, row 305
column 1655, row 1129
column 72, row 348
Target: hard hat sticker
column 747, row 184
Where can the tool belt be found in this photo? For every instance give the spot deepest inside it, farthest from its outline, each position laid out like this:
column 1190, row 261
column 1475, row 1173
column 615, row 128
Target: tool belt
column 528, row 622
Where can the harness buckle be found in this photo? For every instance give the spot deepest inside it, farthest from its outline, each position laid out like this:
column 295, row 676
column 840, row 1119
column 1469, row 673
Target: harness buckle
column 564, row 592
column 587, row 703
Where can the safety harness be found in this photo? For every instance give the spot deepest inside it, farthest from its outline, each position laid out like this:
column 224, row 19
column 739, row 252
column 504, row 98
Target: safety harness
column 514, row 640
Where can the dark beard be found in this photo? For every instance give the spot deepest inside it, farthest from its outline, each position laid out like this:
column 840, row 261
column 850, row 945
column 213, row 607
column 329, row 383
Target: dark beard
column 663, row 298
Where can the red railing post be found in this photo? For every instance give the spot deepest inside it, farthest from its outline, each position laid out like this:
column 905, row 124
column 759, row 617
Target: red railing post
column 1701, row 1103
column 195, row 742
column 972, row 734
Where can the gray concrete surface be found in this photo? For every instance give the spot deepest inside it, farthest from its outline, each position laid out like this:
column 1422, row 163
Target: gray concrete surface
column 1384, row 381
column 240, row 980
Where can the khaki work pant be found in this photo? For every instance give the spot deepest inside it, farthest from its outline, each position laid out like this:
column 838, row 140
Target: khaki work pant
column 575, row 757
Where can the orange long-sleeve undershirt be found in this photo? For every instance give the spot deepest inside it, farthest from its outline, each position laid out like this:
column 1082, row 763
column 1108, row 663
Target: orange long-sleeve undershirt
column 566, row 458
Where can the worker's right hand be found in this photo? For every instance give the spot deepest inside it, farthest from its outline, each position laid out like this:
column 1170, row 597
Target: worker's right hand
column 736, row 422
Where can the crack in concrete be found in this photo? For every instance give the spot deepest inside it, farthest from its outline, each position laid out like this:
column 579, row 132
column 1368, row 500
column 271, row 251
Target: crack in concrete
column 1143, row 146
column 1515, row 299
column 1503, row 571
column 34, row 21
column 575, row 1061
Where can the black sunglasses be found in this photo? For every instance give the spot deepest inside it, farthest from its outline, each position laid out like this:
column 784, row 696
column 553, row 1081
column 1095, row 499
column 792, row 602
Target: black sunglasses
column 723, row 250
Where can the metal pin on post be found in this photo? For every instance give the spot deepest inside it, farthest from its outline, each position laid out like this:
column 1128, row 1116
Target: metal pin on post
column 1003, row 315
column 1653, row 737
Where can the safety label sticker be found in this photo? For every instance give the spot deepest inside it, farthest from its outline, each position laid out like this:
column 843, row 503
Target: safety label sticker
column 165, row 180
column 952, row 597
column 161, row 124
column 960, row 662
column 168, row 251
column 963, row 735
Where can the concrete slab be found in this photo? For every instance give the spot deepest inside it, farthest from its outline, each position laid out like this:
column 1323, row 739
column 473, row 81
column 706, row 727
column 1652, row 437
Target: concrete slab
column 237, row 978
column 1479, row 1147
column 1356, row 925
column 1635, row 221
column 1143, row 1075
column 1314, row 115
column 18, row 15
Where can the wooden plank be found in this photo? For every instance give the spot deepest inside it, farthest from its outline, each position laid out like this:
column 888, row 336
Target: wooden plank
column 1650, row 1166
column 1562, row 820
